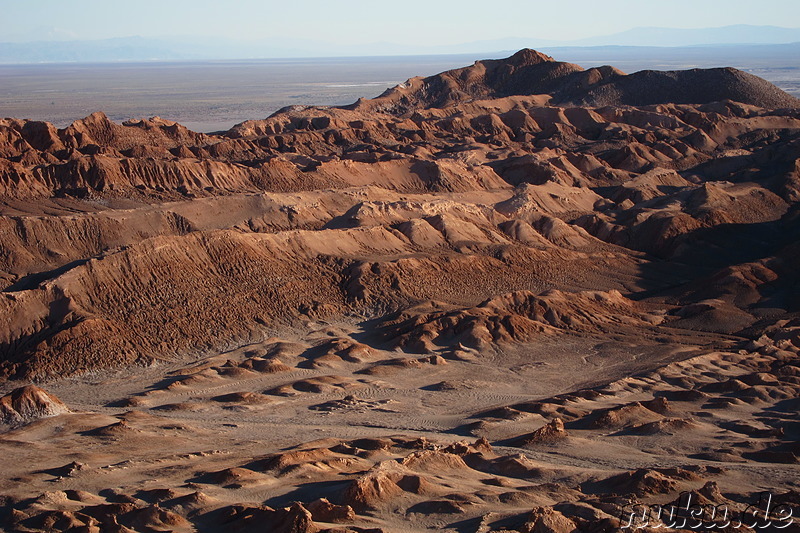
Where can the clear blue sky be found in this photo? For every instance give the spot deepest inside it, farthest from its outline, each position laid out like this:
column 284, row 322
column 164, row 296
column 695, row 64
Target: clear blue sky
column 363, row 21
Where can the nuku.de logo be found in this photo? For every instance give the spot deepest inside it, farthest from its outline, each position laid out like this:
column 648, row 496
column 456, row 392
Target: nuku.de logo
column 688, row 514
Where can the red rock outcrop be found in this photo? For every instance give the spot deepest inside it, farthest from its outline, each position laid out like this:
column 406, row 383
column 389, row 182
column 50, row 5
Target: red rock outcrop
column 27, row 404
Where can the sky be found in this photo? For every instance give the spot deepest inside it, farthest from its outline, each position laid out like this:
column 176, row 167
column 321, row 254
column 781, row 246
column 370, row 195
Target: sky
column 347, row 22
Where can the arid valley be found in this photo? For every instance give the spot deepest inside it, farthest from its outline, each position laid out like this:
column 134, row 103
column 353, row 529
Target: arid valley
column 518, row 296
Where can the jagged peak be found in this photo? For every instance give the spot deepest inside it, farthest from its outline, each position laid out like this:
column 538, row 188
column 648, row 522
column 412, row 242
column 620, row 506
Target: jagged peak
column 528, row 56
column 97, row 116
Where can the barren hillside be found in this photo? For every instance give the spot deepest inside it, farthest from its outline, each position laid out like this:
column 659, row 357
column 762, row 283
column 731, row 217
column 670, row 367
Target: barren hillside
column 518, row 296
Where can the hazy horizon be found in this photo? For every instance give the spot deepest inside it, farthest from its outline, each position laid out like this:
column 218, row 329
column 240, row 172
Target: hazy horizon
column 356, row 22
column 214, row 95
column 138, row 49
column 423, row 38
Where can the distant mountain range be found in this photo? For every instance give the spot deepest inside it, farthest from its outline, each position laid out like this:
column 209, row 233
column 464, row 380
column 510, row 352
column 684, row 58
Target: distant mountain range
column 47, row 48
column 654, row 36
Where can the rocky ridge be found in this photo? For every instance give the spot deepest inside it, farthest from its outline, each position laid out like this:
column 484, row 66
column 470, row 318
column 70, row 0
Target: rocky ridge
column 518, row 296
